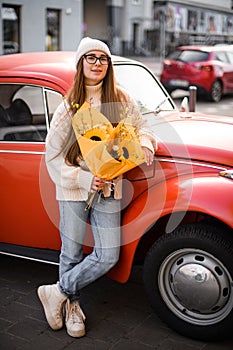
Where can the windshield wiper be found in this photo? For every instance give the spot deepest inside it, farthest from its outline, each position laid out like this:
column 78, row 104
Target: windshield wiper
column 158, row 108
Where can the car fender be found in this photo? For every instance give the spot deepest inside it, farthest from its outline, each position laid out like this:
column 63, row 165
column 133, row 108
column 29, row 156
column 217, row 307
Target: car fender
column 206, row 193
column 213, row 195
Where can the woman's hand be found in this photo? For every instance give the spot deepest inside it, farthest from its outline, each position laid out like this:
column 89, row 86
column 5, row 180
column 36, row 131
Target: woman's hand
column 149, row 156
column 97, row 184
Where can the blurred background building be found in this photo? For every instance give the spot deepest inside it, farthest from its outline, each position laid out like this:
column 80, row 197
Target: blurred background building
column 130, row 27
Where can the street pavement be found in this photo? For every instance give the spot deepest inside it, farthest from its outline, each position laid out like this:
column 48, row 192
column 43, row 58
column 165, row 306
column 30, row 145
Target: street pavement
column 118, row 315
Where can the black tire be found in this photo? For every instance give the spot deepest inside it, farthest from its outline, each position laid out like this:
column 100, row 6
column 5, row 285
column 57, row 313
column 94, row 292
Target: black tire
column 215, row 94
column 188, row 277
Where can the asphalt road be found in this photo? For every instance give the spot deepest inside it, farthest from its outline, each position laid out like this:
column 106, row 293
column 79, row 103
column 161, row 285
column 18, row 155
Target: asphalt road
column 118, row 315
column 224, row 107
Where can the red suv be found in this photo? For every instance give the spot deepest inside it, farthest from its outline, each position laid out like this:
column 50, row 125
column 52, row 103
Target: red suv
column 209, row 68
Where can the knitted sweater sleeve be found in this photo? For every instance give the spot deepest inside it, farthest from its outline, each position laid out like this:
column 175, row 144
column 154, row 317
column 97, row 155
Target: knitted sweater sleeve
column 60, row 137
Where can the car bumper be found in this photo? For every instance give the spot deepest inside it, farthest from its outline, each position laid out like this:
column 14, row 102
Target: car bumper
column 171, row 87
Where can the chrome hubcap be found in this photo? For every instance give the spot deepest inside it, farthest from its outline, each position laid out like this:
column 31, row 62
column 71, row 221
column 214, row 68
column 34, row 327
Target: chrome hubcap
column 196, row 287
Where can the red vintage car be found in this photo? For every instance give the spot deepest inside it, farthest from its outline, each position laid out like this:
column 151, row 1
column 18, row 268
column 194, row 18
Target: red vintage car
column 209, row 68
column 177, row 214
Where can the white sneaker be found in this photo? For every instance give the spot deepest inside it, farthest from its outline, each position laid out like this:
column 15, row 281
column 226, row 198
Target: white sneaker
column 53, row 303
column 75, row 319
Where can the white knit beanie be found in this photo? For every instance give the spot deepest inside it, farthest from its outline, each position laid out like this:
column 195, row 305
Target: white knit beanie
column 88, row 44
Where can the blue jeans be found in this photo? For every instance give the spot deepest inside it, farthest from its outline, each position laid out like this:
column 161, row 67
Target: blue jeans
column 76, row 271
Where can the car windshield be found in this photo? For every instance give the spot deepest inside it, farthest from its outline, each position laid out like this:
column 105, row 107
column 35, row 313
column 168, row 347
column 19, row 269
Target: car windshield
column 189, row 56
column 143, row 87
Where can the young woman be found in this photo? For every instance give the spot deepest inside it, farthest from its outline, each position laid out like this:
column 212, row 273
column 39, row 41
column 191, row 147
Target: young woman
column 95, row 83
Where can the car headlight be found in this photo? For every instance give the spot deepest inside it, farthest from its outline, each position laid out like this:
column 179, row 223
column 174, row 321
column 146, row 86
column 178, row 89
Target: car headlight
column 227, row 173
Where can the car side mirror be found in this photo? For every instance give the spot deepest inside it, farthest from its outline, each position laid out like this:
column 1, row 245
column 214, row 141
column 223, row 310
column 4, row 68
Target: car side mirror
column 184, row 106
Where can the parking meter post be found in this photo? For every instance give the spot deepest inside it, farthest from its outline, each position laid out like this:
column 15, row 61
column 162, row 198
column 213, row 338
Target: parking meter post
column 192, row 98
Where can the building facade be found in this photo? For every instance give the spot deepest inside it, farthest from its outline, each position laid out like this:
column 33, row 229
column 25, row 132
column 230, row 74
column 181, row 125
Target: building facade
column 190, row 22
column 31, row 25
column 130, row 27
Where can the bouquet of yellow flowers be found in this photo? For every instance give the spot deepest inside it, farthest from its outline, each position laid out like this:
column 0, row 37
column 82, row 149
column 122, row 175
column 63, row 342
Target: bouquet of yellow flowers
column 108, row 151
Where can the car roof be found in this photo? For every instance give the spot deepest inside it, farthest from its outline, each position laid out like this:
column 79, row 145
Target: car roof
column 56, row 67
column 38, row 59
column 206, row 48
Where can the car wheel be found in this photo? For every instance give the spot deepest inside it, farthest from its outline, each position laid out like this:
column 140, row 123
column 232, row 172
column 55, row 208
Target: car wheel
column 216, row 91
column 188, row 277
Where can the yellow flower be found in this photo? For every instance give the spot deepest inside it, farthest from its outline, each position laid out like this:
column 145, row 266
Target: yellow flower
column 125, row 131
column 76, row 105
column 130, row 151
column 107, row 151
column 98, row 133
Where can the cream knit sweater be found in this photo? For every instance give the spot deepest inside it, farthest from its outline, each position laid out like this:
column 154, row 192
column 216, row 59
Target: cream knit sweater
column 74, row 182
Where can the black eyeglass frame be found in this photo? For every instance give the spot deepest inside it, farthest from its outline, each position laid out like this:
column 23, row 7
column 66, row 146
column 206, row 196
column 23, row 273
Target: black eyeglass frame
column 97, row 59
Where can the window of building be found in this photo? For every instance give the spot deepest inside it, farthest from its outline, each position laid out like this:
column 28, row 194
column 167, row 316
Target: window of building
column 10, row 29
column 53, row 30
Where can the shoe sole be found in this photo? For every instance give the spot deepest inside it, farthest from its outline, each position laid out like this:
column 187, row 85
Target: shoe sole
column 49, row 317
column 76, row 334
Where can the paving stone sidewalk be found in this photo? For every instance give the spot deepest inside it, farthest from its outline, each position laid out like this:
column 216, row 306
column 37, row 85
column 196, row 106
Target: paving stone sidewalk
column 118, row 315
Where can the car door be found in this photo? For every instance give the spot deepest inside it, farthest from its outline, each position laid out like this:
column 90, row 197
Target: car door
column 26, row 217
column 227, row 68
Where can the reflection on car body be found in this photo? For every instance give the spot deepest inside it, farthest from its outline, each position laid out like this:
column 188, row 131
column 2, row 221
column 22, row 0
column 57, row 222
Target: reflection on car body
column 177, row 215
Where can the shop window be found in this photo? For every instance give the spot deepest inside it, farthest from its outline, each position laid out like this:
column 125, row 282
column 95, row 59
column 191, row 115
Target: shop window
column 52, row 34
column 11, row 25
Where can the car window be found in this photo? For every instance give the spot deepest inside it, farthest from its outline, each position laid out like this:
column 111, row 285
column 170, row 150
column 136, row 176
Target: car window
column 221, row 56
column 53, row 99
column 22, row 113
column 189, row 56
column 230, row 57
column 143, row 87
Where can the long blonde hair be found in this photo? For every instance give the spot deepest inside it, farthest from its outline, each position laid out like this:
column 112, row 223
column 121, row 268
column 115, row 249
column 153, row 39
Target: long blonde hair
column 112, row 101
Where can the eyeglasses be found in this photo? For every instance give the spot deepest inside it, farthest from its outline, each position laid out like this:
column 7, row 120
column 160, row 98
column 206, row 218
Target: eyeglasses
column 92, row 59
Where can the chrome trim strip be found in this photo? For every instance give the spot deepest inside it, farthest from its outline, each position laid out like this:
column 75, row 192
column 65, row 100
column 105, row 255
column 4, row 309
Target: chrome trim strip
column 28, row 258
column 22, row 152
column 45, row 107
column 21, row 142
column 190, row 163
